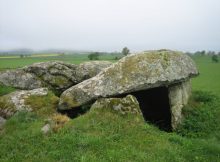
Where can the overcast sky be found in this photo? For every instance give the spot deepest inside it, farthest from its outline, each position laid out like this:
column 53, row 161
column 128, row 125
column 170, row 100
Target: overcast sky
column 109, row 25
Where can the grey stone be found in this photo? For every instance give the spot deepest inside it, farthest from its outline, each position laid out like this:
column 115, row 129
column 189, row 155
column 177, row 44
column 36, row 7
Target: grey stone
column 15, row 101
column 20, row 79
column 178, row 96
column 90, row 69
column 126, row 105
column 132, row 73
column 46, row 129
column 55, row 75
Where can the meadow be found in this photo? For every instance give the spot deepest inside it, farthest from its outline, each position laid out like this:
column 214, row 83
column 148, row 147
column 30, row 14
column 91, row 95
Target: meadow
column 209, row 78
column 107, row 136
column 11, row 62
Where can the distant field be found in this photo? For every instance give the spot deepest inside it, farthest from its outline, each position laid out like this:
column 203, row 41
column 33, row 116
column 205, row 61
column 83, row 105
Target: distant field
column 209, row 78
column 35, row 55
column 8, row 63
column 16, row 62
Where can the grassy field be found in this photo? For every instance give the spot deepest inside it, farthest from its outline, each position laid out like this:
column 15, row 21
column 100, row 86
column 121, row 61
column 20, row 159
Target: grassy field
column 7, row 63
column 30, row 56
column 16, row 61
column 209, row 79
column 107, row 136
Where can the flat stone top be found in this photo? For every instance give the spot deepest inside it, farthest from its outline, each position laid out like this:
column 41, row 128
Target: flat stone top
column 172, row 65
column 134, row 72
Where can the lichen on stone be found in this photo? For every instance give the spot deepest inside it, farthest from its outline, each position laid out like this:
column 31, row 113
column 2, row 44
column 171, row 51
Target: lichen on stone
column 15, row 101
column 126, row 105
column 55, row 75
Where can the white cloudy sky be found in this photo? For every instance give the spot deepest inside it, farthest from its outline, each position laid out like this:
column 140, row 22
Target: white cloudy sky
column 109, row 25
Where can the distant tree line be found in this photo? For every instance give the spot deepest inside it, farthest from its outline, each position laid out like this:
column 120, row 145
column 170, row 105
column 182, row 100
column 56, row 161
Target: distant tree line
column 117, row 55
column 94, row 56
column 214, row 55
column 215, row 58
column 203, row 53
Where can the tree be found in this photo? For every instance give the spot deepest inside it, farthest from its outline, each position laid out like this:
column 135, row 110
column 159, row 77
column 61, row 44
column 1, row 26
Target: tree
column 211, row 53
column 116, row 58
column 200, row 53
column 125, row 51
column 214, row 58
column 94, row 56
column 203, row 53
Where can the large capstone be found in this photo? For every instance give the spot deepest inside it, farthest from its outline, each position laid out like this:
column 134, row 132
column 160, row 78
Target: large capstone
column 55, row 75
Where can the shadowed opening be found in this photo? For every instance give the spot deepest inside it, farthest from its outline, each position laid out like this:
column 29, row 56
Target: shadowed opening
column 154, row 104
column 75, row 112
column 155, row 107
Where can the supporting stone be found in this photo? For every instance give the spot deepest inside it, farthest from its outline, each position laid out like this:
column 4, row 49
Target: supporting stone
column 178, row 96
column 125, row 105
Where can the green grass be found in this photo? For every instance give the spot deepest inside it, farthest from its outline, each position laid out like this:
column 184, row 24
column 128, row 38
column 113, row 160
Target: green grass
column 99, row 136
column 201, row 116
column 9, row 63
column 107, row 136
column 209, row 78
column 5, row 90
column 43, row 106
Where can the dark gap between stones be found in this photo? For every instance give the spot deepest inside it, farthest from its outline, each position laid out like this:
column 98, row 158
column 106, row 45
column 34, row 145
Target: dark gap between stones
column 155, row 106
column 76, row 111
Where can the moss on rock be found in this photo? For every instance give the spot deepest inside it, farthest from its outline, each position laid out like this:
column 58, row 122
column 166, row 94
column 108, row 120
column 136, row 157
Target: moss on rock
column 43, row 105
column 16, row 101
column 7, row 108
column 126, row 105
column 68, row 102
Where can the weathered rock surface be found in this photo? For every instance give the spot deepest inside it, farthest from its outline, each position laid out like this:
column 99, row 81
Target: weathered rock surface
column 15, row 101
column 55, row 75
column 46, row 129
column 178, row 96
column 20, row 79
column 90, row 69
column 132, row 73
column 126, row 105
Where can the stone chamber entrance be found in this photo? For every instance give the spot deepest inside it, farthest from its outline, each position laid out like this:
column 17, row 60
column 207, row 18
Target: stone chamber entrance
column 155, row 106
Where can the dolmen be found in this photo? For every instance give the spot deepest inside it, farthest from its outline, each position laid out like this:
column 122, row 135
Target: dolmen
column 155, row 84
